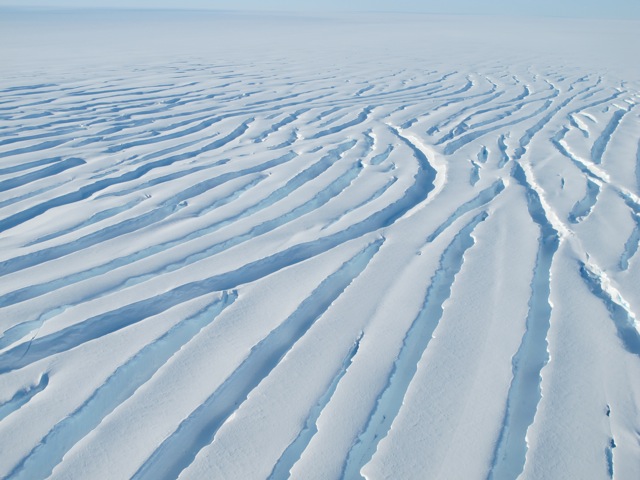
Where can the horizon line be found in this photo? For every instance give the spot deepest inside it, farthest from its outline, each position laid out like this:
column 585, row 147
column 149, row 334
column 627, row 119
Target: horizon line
column 302, row 12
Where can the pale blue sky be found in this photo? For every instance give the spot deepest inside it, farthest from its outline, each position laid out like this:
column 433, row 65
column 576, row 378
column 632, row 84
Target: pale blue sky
column 561, row 8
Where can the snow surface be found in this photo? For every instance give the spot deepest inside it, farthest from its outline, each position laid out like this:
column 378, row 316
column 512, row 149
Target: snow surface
column 262, row 246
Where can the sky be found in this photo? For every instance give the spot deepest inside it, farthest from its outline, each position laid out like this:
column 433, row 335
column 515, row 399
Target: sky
column 552, row 8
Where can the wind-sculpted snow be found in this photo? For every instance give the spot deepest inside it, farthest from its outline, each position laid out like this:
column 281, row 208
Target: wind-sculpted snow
column 532, row 355
column 248, row 268
column 414, row 344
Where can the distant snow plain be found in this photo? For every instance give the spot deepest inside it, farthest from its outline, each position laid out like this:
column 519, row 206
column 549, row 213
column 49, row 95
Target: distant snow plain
column 268, row 246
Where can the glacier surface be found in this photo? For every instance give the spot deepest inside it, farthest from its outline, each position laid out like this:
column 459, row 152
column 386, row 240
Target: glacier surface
column 314, row 246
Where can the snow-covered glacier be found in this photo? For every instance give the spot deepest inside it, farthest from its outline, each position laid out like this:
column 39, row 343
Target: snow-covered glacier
column 262, row 246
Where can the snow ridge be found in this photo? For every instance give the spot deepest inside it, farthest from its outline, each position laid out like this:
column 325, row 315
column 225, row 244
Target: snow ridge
column 415, row 343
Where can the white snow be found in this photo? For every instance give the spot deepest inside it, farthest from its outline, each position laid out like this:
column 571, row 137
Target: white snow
column 270, row 245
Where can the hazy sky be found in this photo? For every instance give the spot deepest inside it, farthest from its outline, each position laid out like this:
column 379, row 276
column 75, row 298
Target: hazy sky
column 562, row 8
